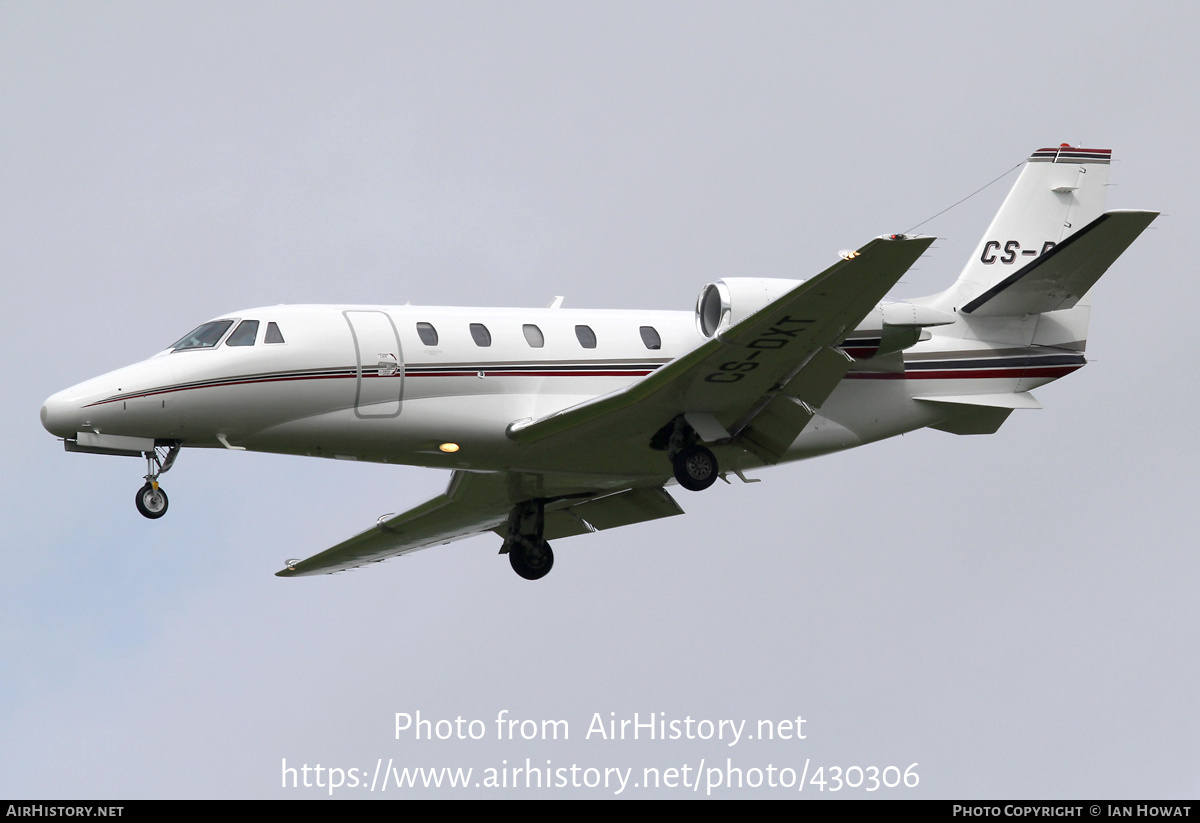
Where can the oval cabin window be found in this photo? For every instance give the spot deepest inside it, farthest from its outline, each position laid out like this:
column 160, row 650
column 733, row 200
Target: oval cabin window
column 481, row 335
column 586, row 337
column 533, row 336
column 427, row 333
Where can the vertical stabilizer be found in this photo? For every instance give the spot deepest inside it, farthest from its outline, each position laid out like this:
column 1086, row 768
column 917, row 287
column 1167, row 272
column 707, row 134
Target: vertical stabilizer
column 1059, row 191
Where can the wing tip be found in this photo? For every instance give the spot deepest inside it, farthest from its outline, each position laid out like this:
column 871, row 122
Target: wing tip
column 922, row 241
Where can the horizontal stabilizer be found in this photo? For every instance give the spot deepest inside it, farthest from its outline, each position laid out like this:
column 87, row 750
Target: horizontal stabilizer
column 980, row 413
column 1061, row 276
column 977, row 420
column 1010, row 400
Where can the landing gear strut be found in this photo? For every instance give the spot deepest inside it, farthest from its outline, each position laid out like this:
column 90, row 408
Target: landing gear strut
column 151, row 500
column 528, row 553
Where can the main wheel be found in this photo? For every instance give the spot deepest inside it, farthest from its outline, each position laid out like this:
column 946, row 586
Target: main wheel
column 151, row 502
column 695, row 468
column 531, row 558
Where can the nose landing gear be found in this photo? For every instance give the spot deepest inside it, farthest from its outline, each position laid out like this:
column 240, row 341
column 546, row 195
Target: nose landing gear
column 151, row 500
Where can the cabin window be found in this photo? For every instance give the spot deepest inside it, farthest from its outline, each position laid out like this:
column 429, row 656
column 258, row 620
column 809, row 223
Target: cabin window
column 586, row 337
column 204, row 337
column 481, row 335
column 533, row 336
column 244, row 334
column 274, row 335
column 650, row 337
column 427, row 333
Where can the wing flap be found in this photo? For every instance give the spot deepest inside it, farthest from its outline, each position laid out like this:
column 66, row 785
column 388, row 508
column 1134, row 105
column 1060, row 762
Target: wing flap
column 771, row 428
column 559, row 524
column 630, row 506
column 775, row 427
column 608, row 512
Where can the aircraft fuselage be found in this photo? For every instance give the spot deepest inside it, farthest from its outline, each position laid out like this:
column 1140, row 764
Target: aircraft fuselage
column 358, row 382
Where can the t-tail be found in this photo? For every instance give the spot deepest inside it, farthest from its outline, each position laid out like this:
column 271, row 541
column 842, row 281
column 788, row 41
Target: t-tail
column 1021, row 305
column 1047, row 246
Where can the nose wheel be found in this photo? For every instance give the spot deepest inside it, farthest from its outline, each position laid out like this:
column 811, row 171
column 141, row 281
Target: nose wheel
column 151, row 500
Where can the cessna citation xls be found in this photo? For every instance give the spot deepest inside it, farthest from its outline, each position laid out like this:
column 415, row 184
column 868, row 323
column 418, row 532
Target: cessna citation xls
column 558, row 422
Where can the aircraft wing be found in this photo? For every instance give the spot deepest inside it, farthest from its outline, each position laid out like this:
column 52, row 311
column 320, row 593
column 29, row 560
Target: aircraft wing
column 476, row 503
column 758, row 382
column 472, row 504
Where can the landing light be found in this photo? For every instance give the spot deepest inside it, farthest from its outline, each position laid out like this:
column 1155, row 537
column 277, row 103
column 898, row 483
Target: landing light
column 449, row 448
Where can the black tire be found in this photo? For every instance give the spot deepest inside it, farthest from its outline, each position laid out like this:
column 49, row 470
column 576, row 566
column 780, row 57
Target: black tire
column 531, row 558
column 151, row 503
column 695, row 468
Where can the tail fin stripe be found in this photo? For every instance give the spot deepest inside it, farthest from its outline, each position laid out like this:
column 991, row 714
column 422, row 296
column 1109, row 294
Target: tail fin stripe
column 1070, row 155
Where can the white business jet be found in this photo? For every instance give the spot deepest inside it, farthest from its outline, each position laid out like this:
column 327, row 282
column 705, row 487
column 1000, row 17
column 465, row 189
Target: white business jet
column 558, row 422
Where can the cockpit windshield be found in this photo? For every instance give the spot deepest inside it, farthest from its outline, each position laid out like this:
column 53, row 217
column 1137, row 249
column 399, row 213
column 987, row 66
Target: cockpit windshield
column 244, row 334
column 205, row 337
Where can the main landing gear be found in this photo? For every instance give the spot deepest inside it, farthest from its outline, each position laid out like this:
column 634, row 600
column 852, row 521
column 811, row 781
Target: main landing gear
column 151, row 500
column 533, row 559
column 694, row 465
column 528, row 553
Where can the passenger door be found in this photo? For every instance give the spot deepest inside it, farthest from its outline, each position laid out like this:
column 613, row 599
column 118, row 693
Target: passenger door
column 380, row 384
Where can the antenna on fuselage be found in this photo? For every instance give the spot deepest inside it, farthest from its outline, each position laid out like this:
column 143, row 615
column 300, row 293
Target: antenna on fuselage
column 556, row 303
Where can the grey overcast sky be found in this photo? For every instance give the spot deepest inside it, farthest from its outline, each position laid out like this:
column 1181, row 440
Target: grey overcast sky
column 1016, row 614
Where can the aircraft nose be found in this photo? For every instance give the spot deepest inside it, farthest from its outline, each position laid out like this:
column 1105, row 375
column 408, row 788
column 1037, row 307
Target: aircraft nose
column 60, row 414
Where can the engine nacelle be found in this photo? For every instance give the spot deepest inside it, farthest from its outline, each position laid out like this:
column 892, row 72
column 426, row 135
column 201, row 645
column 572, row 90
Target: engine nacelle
column 891, row 327
column 724, row 303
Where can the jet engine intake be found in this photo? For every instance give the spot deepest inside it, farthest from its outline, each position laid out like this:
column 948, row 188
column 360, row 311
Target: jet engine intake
column 724, row 303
